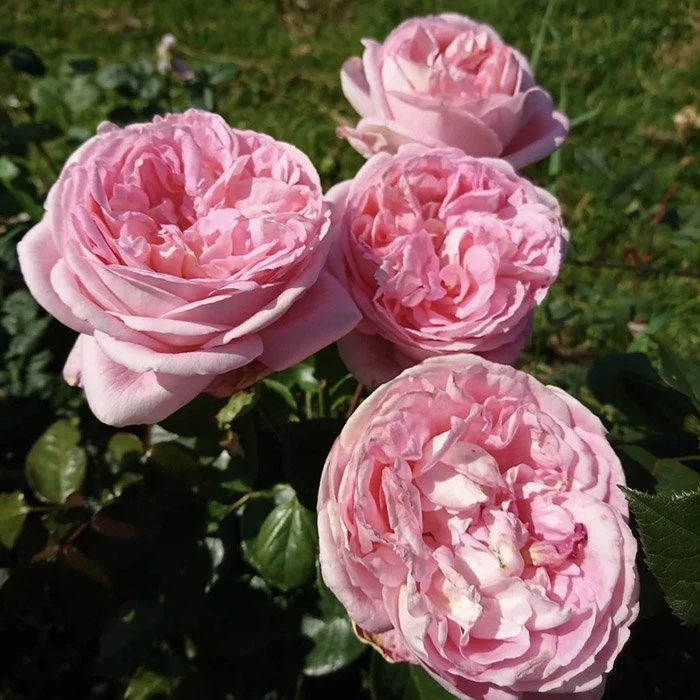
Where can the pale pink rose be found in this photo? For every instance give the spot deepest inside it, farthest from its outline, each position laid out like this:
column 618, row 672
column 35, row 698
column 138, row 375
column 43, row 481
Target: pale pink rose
column 470, row 521
column 189, row 256
column 447, row 80
column 443, row 253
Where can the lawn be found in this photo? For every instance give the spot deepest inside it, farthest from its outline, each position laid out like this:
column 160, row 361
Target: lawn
column 626, row 73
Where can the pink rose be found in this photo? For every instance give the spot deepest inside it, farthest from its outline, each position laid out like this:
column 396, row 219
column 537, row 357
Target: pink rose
column 443, row 253
column 470, row 521
column 189, row 257
column 446, row 80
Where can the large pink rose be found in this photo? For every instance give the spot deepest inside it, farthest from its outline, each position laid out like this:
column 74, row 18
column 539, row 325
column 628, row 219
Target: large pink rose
column 189, row 256
column 470, row 521
column 446, row 80
column 443, row 253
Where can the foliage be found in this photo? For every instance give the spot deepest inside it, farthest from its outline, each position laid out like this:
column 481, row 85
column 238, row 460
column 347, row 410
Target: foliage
column 180, row 560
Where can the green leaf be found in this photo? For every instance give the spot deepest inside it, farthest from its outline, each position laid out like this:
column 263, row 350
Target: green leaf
column 669, row 527
column 671, row 474
column 682, row 375
column 82, row 94
column 115, row 75
column 47, row 93
column 218, row 73
column 237, row 406
column 150, row 89
column 335, row 643
column 174, row 459
column 55, row 466
column 8, row 170
column 124, row 449
column 402, row 681
column 165, row 675
column 285, row 548
column 13, row 513
column 146, row 684
column 674, row 477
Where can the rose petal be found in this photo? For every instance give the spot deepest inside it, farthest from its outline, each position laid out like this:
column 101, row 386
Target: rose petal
column 323, row 313
column 120, row 397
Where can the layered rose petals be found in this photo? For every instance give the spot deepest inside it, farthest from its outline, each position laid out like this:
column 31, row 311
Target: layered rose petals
column 446, row 80
column 443, row 253
column 184, row 251
column 470, row 521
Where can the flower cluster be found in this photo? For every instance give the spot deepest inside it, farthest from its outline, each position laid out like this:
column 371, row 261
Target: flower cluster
column 469, row 517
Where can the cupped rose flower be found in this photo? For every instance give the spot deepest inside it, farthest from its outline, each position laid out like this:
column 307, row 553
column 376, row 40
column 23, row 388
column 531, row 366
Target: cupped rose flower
column 189, row 256
column 443, row 253
column 470, row 521
column 447, row 80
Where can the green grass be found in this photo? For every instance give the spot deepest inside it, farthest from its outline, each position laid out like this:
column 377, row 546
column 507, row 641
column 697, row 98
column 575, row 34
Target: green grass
column 625, row 69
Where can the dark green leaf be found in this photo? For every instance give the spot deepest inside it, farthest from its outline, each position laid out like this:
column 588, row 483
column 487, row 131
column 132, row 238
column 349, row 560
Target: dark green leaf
column 82, row 65
column 196, row 419
column 669, row 527
column 122, row 114
column 402, row 681
column 675, row 477
column 55, row 466
column 174, row 458
column 13, row 512
column 671, row 474
column 682, row 375
column 250, row 625
column 33, row 132
column 24, row 60
column 284, row 550
column 127, row 642
column 335, row 643
column 83, row 564
column 630, row 383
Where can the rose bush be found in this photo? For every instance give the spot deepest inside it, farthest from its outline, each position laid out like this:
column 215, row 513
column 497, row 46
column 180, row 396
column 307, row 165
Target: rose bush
column 189, row 256
column 442, row 253
column 447, row 80
column 470, row 521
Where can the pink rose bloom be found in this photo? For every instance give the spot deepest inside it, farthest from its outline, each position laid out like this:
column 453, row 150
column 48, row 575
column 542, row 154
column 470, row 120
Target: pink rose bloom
column 189, row 256
column 443, row 253
column 447, row 80
column 470, row 521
